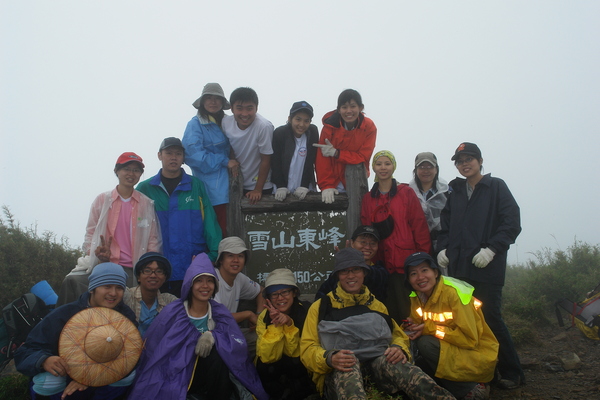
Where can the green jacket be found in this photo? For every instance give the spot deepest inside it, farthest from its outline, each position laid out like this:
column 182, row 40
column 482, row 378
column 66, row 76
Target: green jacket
column 188, row 222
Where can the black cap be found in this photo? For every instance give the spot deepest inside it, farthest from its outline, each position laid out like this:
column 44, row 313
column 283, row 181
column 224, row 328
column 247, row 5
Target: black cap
column 170, row 142
column 365, row 230
column 414, row 260
column 302, row 106
column 147, row 258
column 418, row 258
column 467, row 148
column 348, row 258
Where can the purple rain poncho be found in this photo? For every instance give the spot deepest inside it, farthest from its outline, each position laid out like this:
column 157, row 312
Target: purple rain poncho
column 167, row 362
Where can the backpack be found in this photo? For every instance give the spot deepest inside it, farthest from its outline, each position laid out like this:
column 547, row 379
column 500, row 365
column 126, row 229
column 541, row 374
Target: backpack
column 18, row 319
column 585, row 315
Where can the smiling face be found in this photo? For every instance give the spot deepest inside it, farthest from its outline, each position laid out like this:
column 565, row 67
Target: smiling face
column 232, row 264
column 129, row 175
column 244, row 113
column 106, row 296
column 468, row 166
column 152, row 276
column 352, row 279
column 350, row 111
column 367, row 245
column 300, row 123
column 423, row 278
column 212, row 103
column 383, row 168
column 203, row 288
column 172, row 160
column 426, row 173
column 283, row 299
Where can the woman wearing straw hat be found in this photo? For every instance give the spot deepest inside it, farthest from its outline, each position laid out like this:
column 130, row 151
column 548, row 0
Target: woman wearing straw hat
column 194, row 348
column 39, row 356
column 278, row 345
column 394, row 210
column 207, row 149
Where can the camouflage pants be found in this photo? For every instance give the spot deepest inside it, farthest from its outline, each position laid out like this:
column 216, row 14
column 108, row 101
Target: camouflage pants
column 387, row 377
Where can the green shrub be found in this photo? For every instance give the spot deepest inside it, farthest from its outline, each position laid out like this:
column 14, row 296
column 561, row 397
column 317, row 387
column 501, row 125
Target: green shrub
column 27, row 258
column 14, row 387
column 523, row 331
column 532, row 289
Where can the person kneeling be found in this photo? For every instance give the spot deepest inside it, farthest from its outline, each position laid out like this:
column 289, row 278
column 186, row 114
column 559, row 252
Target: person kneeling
column 348, row 333
column 456, row 345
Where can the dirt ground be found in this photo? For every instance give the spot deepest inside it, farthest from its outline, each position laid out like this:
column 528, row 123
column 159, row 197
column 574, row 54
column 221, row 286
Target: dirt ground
column 546, row 377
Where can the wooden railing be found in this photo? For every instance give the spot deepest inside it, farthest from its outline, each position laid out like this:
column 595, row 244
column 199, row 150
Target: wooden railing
column 356, row 187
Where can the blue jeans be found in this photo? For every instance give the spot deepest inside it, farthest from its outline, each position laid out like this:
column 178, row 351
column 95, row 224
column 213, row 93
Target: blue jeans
column 509, row 365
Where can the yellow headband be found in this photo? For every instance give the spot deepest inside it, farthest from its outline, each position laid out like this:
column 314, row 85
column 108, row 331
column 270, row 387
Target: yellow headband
column 383, row 153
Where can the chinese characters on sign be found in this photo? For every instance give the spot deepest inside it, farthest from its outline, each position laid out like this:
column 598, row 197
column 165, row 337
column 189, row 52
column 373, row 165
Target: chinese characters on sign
column 307, row 238
column 301, row 241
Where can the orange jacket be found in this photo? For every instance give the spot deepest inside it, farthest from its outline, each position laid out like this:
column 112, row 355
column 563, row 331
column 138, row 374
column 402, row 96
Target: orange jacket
column 355, row 147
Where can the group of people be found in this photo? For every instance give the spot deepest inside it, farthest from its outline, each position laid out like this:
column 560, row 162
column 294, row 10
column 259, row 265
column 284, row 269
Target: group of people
column 414, row 300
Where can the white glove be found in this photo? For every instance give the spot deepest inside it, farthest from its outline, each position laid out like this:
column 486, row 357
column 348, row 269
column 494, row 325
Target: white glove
column 281, row 193
column 327, row 149
column 483, row 258
column 442, row 260
column 300, row 192
column 327, row 195
column 205, row 344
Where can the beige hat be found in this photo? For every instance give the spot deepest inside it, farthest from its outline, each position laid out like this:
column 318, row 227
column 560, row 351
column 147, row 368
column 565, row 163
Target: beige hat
column 232, row 244
column 100, row 345
column 212, row 89
column 281, row 276
column 278, row 279
column 426, row 156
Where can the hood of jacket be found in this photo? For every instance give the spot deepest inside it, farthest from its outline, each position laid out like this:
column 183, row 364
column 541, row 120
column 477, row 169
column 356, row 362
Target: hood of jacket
column 200, row 265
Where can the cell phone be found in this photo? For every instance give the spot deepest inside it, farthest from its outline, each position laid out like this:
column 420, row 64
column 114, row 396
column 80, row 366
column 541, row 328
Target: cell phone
column 406, row 323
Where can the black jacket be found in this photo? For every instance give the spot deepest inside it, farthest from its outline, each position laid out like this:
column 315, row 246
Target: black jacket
column 491, row 218
column 283, row 151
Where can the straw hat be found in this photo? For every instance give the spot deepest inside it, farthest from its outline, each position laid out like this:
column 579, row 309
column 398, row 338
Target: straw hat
column 100, row 345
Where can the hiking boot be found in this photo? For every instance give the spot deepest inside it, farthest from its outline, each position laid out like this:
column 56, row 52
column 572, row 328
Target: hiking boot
column 479, row 392
column 507, row 384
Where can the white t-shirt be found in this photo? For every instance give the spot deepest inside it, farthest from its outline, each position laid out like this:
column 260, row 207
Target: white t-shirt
column 243, row 288
column 297, row 163
column 248, row 145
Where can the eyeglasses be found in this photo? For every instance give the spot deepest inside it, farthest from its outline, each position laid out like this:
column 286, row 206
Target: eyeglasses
column 364, row 243
column 465, row 160
column 281, row 293
column 149, row 271
column 132, row 170
column 354, row 270
column 423, row 166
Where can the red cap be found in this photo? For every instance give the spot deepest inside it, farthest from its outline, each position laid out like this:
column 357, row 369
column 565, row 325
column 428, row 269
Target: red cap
column 129, row 156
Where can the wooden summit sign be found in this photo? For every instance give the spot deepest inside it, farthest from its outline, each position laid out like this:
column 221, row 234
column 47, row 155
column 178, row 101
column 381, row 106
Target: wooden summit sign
column 293, row 234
